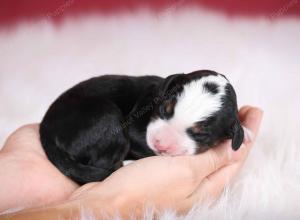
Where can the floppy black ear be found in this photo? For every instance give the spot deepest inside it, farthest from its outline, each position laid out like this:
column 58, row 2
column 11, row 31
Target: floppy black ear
column 171, row 81
column 237, row 135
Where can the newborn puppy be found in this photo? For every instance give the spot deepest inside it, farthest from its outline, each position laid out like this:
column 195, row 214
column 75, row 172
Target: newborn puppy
column 93, row 127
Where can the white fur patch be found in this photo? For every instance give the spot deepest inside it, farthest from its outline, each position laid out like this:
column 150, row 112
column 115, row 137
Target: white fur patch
column 197, row 104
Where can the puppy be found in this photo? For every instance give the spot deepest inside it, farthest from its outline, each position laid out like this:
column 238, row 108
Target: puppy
column 93, row 127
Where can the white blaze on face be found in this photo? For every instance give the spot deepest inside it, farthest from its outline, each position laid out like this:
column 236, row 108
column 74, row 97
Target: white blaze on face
column 194, row 104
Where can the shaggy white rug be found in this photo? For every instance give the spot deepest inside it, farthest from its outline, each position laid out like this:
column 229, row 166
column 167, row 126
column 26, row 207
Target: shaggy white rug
column 260, row 56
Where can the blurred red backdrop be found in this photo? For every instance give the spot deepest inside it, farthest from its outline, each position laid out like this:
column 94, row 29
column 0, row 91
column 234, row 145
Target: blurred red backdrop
column 12, row 11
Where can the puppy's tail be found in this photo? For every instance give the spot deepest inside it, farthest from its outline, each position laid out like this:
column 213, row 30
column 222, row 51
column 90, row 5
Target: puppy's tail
column 78, row 172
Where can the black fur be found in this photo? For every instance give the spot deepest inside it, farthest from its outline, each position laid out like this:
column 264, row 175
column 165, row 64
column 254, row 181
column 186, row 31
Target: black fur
column 87, row 132
column 211, row 87
column 91, row 128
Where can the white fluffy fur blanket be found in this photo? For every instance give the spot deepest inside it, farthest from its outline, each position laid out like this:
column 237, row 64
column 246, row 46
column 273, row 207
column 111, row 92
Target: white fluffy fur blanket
column 261, row 57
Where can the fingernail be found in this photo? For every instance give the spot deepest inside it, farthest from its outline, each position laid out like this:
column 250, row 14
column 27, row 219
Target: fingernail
column 248, row 135
column 257, row 111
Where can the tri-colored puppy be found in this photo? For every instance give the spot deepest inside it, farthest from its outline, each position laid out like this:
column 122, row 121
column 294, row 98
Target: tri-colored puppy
column 93, row 127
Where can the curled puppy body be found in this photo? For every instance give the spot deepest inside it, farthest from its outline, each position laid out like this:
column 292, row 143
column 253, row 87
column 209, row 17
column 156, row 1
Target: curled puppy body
column 93, row 127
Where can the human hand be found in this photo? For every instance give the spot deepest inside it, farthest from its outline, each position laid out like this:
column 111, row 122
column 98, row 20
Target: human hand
column 28, row 178
column 170, row 182
column 165, row 182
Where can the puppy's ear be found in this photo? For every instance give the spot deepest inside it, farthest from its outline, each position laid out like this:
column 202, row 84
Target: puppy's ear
column 171, row 81
column 237, row 135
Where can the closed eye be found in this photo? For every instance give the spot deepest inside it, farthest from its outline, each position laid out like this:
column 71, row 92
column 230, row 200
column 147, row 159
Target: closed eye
column 166, row 109
column 196, row 131
column 200, row 137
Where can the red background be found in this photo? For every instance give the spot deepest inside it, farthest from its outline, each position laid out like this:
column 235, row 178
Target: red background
column 12, row 11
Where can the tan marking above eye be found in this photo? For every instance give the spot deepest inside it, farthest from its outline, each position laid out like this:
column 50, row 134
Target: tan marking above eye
column 196, row 129
column 169, row 107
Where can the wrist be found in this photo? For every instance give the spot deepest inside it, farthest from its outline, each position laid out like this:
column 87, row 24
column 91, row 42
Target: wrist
column 112, row 204
column 62, row 211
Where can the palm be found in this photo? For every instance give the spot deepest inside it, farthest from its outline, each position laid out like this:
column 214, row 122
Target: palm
column 30, row 178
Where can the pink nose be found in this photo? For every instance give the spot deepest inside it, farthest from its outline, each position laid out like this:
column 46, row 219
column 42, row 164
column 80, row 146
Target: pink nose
column 161, row 147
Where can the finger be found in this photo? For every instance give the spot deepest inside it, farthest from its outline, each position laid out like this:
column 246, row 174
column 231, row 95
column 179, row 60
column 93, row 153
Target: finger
column 252, row 120
column 211, row 160
column 212, row 186
column 243, row 111
column 215, row 158
column 83, row 189
column 248, row 136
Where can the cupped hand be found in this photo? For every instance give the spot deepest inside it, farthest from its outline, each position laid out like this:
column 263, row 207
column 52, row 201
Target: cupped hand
column 170, row 182
column 27, row 177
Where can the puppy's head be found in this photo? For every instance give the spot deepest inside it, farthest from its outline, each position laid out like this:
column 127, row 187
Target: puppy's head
column 194, row 112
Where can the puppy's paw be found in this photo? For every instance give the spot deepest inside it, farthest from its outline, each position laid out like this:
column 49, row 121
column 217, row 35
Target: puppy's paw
column 126, row 162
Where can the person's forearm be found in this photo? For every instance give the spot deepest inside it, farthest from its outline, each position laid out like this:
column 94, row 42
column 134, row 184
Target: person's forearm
column 107, row 208
column 65, row 211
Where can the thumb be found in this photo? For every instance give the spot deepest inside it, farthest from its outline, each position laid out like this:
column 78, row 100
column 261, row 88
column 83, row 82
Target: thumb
column 215, row 158
column 212, row 185
column 211, row 160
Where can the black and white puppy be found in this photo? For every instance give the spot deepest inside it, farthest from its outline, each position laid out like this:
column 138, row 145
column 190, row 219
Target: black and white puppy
column 93, row 127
